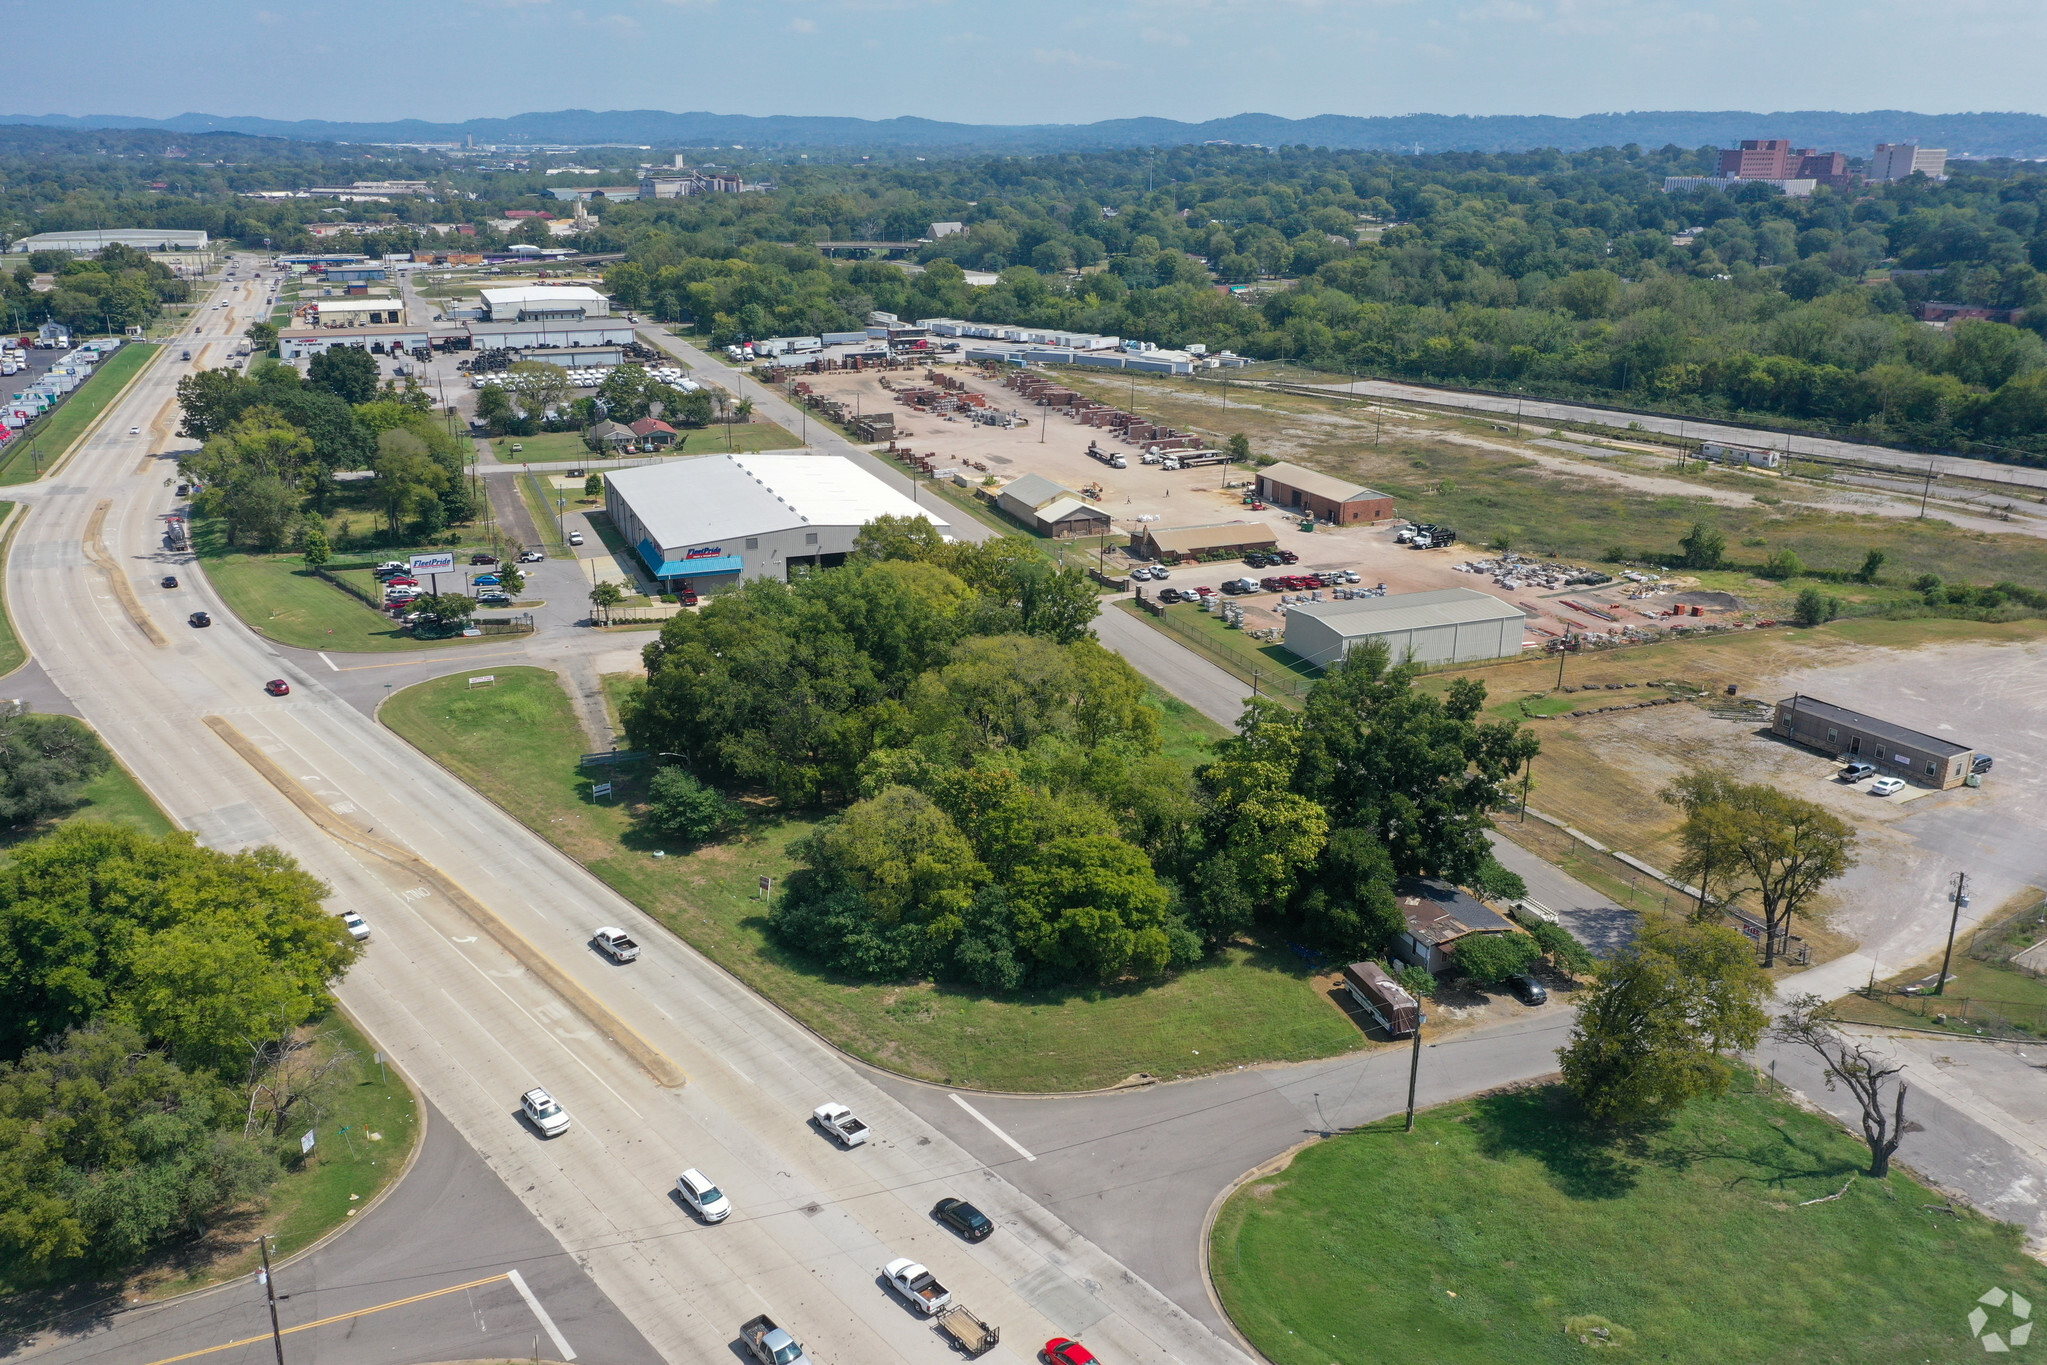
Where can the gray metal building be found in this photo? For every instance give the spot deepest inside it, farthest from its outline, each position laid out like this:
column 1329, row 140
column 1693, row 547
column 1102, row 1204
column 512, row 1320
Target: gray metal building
column 1451, row 625
column 142, row 239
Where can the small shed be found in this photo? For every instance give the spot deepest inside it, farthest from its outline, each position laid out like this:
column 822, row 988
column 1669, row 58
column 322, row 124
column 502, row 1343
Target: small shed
column 1438, row 915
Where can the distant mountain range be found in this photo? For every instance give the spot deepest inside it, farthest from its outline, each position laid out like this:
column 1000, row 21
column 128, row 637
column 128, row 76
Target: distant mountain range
column 1975, row 135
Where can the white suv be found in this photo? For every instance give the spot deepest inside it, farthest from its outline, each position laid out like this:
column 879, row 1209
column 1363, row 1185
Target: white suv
column 699, row 1193
column 550, row 1118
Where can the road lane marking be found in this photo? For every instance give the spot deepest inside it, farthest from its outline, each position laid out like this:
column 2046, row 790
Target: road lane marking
column 553, row 1335
column 329, row 662
column 989, row 1124
column 365, row 1312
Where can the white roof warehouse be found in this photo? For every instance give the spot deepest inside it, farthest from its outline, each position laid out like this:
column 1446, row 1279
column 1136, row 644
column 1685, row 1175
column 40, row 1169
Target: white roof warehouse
column 1451, row 625
column 540, row 302
column 717, row 520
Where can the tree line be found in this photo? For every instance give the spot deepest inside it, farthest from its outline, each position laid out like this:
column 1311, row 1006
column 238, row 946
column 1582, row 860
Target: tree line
column 1000, row 812
column 109, row 291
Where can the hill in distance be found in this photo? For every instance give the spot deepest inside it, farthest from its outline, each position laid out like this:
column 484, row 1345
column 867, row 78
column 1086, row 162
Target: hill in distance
column 1972, row 135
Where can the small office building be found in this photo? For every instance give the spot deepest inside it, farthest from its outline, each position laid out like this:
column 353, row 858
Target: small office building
column 358, row 312
column 296, row 343
column 1893, row 750
column 718, row 520
column 1449, row 625
column 1050, row 509
column 1321, row 496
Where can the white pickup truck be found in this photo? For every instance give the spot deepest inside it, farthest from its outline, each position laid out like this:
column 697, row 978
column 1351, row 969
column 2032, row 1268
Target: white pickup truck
column 917, row 1285
column 838, row 1120
column 616, row 944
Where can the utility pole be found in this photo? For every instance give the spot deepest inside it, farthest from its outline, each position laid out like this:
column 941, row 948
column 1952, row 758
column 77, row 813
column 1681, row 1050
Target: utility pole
column 270, row 1289
column 1414, row 1071
column 1961, row 881
column 1561, row 652
column 1926, row 490
column 1527, row 776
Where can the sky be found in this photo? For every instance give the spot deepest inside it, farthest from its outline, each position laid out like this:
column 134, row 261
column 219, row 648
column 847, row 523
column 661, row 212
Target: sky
column 1048, row 61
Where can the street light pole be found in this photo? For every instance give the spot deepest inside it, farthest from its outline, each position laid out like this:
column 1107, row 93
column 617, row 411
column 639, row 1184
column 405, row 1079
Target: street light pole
column 1940, row 986
column 1414, row 1068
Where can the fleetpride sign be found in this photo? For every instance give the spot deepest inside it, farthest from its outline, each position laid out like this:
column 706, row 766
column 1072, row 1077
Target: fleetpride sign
column 440, row 563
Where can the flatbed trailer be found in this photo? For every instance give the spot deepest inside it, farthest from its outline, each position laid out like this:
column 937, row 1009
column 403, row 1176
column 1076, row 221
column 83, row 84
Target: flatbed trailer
column 967, row 1330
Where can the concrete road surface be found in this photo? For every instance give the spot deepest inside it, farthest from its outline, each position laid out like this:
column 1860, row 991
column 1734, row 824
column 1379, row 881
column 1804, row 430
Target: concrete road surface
column 424, row 1276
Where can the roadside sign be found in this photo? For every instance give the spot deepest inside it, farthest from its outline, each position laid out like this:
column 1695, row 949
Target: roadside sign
column 306, row 1143
column 765, row 883
column 443, row 562
column 484, row 680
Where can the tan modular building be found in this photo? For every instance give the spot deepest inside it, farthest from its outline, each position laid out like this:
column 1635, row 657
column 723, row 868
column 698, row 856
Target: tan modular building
column 359, row 312
column 1450, row 625
column 1894, row 751
column 1172, row 544
column 1321, row 496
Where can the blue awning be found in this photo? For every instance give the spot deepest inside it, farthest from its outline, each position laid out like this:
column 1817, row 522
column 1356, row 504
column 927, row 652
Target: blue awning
column 697, row 568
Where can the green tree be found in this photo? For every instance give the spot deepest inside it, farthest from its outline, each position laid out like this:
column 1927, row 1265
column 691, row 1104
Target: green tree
column 1702, row 547
column 316, row 551
column 209, row 401
column 406, row 477
column 440, row 613
column 1091, row 906
column 1656, row 1030
column 348, row 372
column 495, row 409
column 1563, row 948
column 1783, row 564
column 1490, row 958
column 45, row 762
column 680, row 807
column 1815, row 608
column 1871, row 564
column 605, row 596
column 593, row 487
column 1784, row 848
column 1240, row 447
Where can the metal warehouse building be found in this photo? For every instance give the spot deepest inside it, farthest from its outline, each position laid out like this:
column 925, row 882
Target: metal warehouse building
column 535, row 303
column 1322, row 496
column 718, row 520
column 1894, row 750
column 1452, row 625
column 1052, row 510
column 142, row 239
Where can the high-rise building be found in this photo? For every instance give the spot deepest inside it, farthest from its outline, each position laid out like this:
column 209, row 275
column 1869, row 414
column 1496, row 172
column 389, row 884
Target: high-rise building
column 1776, row 159
column 1897, row 160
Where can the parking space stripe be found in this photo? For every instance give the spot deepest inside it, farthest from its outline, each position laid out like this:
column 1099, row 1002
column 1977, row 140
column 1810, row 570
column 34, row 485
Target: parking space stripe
column 984, row 1121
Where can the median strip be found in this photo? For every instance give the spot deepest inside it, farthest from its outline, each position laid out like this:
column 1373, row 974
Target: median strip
column 652, row 1060
column 96, row 551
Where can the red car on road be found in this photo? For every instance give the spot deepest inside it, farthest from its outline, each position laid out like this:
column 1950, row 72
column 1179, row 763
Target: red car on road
column 277, row 687
column 1066, row 1351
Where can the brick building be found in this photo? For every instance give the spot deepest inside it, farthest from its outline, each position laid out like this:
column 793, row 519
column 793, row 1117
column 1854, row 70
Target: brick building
column 1321, row 496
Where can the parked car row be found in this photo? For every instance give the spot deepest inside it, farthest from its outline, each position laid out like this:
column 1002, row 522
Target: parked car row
column 1271, row 559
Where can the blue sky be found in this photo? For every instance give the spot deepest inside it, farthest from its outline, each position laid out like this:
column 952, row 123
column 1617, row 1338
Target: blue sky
column 1046, row 61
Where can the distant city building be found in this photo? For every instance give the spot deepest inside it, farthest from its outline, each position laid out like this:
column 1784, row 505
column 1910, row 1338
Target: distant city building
column 1776, row 159
column 1685, row 184
column 939, row 230
column 1931, row 311
column 1897, row 160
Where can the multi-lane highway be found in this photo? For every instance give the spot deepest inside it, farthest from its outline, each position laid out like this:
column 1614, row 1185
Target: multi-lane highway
column 474, row 1022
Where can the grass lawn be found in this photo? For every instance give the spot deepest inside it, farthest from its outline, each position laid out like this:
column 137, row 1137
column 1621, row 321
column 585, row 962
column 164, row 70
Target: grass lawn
column 13, row 654
column 1981, row 990
column 518, row 742
column 113, row 796
column 1184, row 733
column 540, row 506
column 280, row 598
column 345, row 1172
column 1231, row 650
column 1498, row 1231
column 54, row 435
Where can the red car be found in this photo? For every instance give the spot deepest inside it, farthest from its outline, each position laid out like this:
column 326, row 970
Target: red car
column 1066, row 1351
column 401, row 581
column 277, row 687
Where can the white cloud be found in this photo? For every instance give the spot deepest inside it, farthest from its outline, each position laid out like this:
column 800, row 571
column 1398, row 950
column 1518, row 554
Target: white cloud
column 800, row 25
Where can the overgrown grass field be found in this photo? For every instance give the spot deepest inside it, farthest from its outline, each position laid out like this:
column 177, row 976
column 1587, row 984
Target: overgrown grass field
column 518, row 743
column 1499, row 1231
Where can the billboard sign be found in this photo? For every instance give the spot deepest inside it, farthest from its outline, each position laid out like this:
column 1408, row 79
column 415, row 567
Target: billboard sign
column 434, row 563
column 705, row 552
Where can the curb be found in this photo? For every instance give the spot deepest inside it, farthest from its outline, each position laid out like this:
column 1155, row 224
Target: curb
column 92, row 428
column 1271, row 1166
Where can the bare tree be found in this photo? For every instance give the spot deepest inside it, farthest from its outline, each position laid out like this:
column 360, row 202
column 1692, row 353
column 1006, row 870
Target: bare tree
column 289, row 1074
column 1855, row 1064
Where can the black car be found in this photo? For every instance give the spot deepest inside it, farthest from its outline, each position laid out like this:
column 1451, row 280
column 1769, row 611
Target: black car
column 170, row 580
column 199, row 618
column 963, row 1218
column 1527, row 990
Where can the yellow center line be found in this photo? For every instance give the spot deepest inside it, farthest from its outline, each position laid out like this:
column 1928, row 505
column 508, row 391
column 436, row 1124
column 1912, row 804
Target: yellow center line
column 338, row 1317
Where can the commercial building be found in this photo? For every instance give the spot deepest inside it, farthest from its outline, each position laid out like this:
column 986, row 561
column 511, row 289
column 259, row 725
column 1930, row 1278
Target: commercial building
column 1897, row 160
column 142, row 239
column 1438, row 915
column 1686, row 184
column 356, row 272
column 297, row 343
column 1894, row 750
column 358, row 312
column 1776, row 159
column 1171, row 544
column 1051, row 510
column 718, row 520
column 1449, row 625
column 1321, row 496
column 558, row 333
column 544, row 303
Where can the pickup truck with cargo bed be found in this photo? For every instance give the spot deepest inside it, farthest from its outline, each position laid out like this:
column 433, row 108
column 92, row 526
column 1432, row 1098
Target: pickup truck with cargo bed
column 838, row 1121
column 616, row 944
column 918, row 1286
column 769, row 1344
